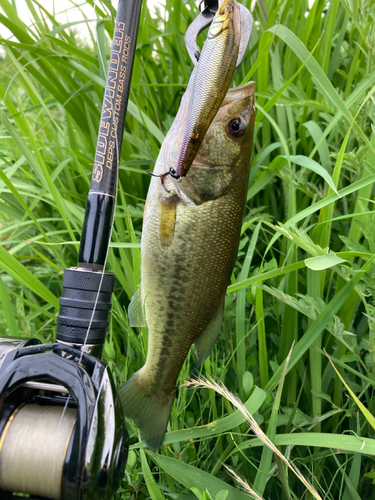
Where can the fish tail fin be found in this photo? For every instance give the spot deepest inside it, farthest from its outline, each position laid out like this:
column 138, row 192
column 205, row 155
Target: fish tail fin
column 150, row 410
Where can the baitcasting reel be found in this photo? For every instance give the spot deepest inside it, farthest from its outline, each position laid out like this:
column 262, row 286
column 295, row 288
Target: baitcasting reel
column 62, row 428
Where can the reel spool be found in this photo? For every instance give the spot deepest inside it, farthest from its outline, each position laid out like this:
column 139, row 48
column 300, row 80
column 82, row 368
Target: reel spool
column 62, row 429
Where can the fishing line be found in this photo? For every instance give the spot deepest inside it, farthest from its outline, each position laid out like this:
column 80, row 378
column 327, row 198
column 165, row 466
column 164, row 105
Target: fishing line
column 112, row 221
column 114, row 210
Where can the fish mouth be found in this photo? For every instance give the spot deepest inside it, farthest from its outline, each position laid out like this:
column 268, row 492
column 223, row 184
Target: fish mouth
column 200, row 164
column 194, row 168
column 172, row 184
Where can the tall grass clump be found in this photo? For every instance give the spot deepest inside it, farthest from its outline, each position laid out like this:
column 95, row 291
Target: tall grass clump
column 298, row 340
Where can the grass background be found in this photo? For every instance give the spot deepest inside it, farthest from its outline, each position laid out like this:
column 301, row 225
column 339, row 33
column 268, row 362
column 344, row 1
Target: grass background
column 304, row 274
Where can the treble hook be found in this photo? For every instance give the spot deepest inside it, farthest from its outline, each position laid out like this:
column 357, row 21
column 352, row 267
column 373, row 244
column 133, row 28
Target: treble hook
column 171, row 172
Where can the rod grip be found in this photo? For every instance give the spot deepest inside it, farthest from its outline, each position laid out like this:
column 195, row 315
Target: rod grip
column 85, row 305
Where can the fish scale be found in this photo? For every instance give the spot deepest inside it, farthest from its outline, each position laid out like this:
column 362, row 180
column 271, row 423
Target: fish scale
column 189, row 245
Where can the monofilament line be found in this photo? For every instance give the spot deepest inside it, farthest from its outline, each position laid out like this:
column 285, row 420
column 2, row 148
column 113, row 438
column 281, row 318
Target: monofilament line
column 110, row 233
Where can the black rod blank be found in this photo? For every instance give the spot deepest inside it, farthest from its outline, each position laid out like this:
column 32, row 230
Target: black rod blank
column 100, row 205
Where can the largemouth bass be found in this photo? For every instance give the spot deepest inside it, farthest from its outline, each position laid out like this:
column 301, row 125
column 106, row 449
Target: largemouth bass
column 214, row 72
column 190, row 238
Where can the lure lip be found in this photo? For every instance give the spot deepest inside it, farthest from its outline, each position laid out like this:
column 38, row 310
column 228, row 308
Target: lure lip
column 204, row 19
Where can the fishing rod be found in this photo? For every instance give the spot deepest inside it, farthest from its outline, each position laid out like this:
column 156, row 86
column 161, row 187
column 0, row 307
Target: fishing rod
column 62, row 428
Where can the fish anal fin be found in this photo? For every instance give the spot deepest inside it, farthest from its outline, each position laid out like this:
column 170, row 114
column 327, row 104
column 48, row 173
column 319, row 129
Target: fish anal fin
column 204, row 344
column 149, row 409
column 135, row 310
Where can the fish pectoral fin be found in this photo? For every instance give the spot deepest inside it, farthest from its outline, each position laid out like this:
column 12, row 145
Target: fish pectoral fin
column 150, row 410
column 204, row 344
column 135, row 310
column 167, row 220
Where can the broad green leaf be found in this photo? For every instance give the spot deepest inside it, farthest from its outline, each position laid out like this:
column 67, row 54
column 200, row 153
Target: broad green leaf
column 342, row 442
column 323, row 262
column 152, row 487
column 259, row 278
column 201, row 496
column 20, row 273
column 247, row 382
column 222, row 495
column 191, row 477
column 145, row 120
column 312, row 165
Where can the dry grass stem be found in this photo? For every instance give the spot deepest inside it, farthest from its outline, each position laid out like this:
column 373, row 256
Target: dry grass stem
column 203, row 382
column 244, row 485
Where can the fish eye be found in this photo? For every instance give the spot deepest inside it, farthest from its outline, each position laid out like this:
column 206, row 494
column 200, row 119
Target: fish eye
column 223, row 11
column 235, row 127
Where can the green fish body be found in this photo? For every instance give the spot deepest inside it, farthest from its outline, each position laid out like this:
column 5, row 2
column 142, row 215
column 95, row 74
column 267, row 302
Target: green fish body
column 189, row 246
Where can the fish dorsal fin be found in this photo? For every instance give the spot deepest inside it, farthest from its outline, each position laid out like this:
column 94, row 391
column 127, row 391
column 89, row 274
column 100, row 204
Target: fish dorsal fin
column 135, row 310
column 204, row 344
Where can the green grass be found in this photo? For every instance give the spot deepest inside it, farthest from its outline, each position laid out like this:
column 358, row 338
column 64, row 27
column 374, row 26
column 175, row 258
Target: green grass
column 304, row 275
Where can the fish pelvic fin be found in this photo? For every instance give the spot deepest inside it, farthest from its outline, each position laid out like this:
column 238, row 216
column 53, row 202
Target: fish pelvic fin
column 135, row 310
column 150, row 410
column 204, row 344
